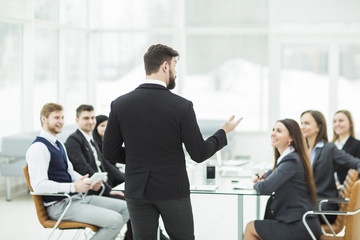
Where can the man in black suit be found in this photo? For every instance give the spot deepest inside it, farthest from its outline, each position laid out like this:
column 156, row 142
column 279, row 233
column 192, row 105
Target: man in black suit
column 153, row 123
column 85, row 155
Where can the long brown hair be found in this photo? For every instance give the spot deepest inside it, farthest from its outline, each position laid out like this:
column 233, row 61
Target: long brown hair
column 321, row 124
column 351, row 128
column 299, row 144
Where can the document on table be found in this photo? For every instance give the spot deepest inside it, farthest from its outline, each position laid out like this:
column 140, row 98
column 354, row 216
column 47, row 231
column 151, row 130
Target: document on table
column 243, row 185
column 205, row 188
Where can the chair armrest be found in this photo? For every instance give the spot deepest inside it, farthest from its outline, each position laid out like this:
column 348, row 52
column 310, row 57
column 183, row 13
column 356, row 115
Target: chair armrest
column 322, row 213
column 340, row 187
column 332, row 201
column 50, row 194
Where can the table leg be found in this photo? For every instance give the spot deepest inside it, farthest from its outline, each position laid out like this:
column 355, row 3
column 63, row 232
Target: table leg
column 8, row 188
column 240, row 216
column 258, row 207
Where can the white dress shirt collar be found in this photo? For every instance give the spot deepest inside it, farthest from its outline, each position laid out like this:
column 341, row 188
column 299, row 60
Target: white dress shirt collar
column 288, row 150
column 48, row 136
column 87, row 136
column 154, row 81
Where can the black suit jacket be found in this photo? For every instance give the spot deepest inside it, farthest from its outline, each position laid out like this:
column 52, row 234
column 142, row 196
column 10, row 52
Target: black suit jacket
column 83, row 160
column 352, row 147
column 153, row 123
column 290, row 197
column 324, row 168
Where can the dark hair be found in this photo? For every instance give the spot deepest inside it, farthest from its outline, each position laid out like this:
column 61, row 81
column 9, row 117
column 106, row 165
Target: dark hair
column 157, row 55
column 321, row 124
column 48, row 108
column 83, row 108
column 96, row 135
column 299, row 144
column 351, row 129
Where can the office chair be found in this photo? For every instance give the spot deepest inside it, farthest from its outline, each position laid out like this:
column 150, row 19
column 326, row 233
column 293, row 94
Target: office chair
column 48, row 223
column 352, row 230
column 344, row 193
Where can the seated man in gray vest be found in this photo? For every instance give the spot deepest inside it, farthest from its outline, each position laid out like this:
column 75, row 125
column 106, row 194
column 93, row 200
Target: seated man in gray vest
column 51, row 172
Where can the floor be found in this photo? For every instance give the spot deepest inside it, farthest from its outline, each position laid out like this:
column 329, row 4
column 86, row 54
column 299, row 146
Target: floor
column 215, row 217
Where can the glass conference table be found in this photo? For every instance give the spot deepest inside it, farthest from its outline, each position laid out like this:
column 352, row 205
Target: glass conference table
column 231, row 186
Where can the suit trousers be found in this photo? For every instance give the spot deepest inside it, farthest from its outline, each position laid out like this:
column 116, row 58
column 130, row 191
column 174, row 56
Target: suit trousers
column 175, row 213
column 107, row 213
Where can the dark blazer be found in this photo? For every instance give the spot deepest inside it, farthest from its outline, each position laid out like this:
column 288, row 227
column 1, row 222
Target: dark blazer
column 352, row 147
column 153, row 123
column 83, row 160
column 324, row 167
column 287, row 184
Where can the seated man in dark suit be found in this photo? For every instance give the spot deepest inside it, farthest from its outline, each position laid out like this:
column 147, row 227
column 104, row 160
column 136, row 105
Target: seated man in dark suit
column 85, row 155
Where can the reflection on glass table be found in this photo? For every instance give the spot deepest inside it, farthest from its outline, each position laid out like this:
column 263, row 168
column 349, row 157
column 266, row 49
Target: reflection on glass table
column 239, row 186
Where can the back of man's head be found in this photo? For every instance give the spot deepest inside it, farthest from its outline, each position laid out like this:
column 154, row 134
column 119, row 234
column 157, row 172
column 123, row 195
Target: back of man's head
column 83, row 108
column 157, row 55
column 48, row 108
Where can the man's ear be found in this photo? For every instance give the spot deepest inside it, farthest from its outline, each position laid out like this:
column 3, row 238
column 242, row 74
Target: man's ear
column 165, row 66
column 43, row 118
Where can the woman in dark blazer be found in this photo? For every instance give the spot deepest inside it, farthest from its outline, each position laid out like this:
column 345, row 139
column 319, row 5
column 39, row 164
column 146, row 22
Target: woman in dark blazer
column 324, row 156
column 291, row 186
column 344, row 139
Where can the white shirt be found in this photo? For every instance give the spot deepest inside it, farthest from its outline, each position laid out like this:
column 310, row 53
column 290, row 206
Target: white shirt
column 341, row 144
column 38, row 159
column 288, row 150
column 154, row 81
column 89, row 139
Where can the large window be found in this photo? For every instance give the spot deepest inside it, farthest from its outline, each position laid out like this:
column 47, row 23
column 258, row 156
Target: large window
column 123, row 14
column 120, row 67
column 232, row 71
column 74, row 72
column 45, row 69
column 74, row 13
column 226, row 13
column 349, row 81
column 46, row 10
column 304, row 80
column 10, row 78
column 260, row 59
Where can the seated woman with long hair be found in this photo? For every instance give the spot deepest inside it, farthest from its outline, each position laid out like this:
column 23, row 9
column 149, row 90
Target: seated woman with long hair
column 291, row 186
column 324, row 158
column 344, row 139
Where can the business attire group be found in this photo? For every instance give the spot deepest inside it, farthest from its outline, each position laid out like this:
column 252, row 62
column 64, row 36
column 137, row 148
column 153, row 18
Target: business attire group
column 146, row 131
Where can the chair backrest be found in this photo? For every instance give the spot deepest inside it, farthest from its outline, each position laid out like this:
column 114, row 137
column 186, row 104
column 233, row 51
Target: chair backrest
column 39, row 204
column 352, row 229
column 350, row 179
column 339, row 223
